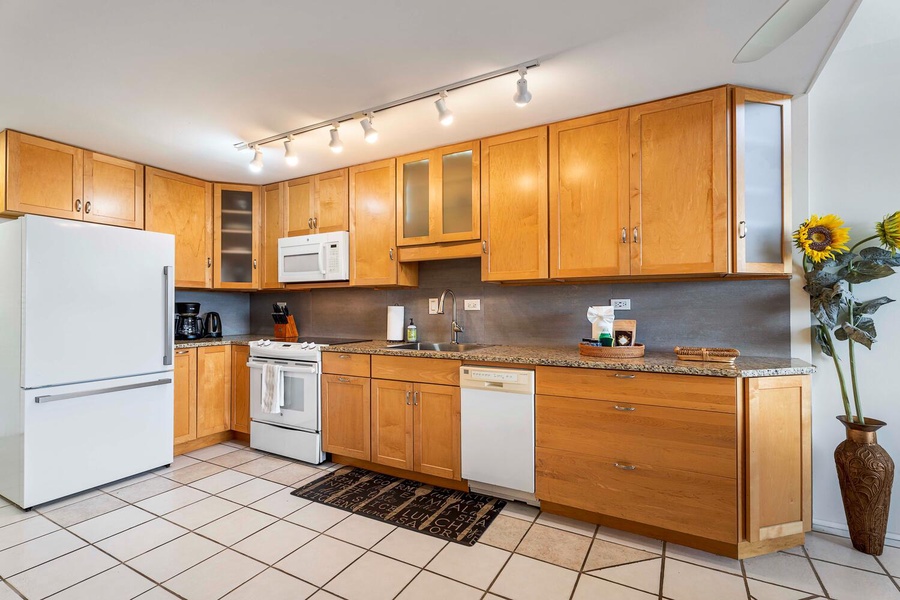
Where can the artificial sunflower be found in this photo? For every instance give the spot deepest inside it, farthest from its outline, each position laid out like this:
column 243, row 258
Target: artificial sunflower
column 888, row 231
column 820, row 238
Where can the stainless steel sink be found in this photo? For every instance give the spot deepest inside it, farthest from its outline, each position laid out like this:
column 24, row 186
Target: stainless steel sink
column 438, row 346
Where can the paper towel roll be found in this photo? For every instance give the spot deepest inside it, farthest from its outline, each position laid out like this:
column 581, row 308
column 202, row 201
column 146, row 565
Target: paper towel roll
column 395, row 324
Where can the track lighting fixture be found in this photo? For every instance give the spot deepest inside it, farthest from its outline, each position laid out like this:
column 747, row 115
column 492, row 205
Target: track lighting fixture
column 445, row 115
column 370, row 134
column 522, row 95
column 256, row 164
column 290, row 153
column 336, row 145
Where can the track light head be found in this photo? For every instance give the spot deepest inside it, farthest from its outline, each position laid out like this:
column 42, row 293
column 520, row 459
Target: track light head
column 256, row 164
column 445, row 115
column 290, row 153
column 370, row 134
column 336, row 145
column 522, row 95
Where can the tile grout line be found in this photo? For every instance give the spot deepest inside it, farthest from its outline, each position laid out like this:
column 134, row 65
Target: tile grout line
column 662, row 571
column 584, row 562
column 891, row 577
column 816, row 573
column 746, row 581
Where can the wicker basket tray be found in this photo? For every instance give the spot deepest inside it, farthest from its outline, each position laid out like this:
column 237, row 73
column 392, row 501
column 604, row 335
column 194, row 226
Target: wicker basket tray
column 635, row 351
column 723, row 355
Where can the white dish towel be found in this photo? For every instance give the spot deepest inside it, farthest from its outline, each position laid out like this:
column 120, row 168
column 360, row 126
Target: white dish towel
column 272, row 397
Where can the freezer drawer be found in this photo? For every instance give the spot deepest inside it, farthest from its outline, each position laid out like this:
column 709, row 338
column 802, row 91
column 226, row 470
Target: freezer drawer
column 82, row 436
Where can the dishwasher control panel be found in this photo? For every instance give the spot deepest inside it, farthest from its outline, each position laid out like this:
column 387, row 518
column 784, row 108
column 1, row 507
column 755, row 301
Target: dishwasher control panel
column 506, row 380
column 498, row 376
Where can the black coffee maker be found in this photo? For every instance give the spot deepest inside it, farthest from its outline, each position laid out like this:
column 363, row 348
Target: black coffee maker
column 188, row 324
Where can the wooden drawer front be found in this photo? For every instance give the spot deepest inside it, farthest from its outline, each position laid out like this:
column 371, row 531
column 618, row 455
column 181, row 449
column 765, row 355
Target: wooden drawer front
column 421, row 370
column 671, row 438
column 693, row 503
column 679, row 391
column 346, row 364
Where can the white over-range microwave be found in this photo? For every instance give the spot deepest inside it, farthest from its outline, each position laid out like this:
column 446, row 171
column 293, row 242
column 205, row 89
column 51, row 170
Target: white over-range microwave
column 317, row 257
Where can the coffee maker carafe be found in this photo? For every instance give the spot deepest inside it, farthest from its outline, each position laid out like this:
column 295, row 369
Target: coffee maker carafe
column 188, row 324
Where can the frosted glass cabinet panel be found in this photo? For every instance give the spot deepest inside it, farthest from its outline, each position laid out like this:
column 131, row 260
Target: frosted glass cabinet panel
column 236, row 227
column 762, row 181
column 438, row 195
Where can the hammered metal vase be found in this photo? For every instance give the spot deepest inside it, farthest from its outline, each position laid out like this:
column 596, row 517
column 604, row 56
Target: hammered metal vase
column 866, row 473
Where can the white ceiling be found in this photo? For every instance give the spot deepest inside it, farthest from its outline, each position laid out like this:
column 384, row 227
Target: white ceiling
column 175, row 84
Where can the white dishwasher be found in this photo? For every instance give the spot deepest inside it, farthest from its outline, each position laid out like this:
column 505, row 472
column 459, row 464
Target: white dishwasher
column 497, row 414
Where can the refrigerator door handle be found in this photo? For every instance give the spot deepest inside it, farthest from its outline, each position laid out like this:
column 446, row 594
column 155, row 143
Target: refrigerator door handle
column 120, row 388
column 170, row 315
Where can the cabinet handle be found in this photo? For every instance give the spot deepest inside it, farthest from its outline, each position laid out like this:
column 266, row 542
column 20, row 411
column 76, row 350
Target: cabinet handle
column 742, row 229
column 254, row 263
column 624, row 408
column 391, row 253
column 344, row 356
column 87, row 208
column 208, row 262
column 316, row 222
column 309, row 222
column 624, row 235
column 416, row 398
column 407, row 397
column 484, row 246
column 625, row 467
column 78, row 205
column 634, row 235
column 620, row 376
column 182, row 351
column 343, row 380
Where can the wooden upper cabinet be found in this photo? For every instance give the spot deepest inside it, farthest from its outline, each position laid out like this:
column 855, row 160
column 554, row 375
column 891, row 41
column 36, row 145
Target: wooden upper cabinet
column 589, row 200
column 213, row 390
column 514, row 207
column 42, row 177
column 392, row 423
column 346, row 416
column 679, row 185
column 373, row 227
column 318, row 203
column 240, row 389
column 762, row 181
column 182, row 206
column 236, row 226
column 437, row 430
column 273, row 228
column 113, row 191
column 438, row 195
column 185, row 384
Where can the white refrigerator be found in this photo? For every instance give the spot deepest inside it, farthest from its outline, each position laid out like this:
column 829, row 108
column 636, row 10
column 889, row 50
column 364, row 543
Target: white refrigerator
column 86, row 353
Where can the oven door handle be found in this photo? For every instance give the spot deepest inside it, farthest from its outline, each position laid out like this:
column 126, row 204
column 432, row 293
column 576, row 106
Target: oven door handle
column 310, row 370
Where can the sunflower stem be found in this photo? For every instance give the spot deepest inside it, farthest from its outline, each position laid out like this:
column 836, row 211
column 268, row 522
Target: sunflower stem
column 840, row 372
column 863, row 241
column 859, row 415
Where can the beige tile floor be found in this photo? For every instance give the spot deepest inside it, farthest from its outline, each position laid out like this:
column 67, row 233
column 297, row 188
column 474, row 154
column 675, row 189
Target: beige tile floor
column 221, row 523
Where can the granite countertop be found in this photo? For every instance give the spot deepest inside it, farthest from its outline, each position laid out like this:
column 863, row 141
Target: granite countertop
column 561, row 356
column 565, row 356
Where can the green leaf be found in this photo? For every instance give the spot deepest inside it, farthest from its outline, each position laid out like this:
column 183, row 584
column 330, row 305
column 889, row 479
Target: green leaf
column 867, row 325
column 857, row 335
column 839, row 261
column 864, row 271
column 816, row 281
column 826, row 306
column 880, row 256
column 822, row 340
column 870, row 306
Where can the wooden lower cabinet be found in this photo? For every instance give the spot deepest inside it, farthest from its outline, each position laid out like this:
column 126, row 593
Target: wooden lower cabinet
column 346, row 416
column 720, row 464
column 240, row 389
column 392, row 424
column 185, row 383
column 213, row 390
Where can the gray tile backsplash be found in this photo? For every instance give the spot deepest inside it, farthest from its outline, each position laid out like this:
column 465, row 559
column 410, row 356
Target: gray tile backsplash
column 752, row 316
column 233, row 308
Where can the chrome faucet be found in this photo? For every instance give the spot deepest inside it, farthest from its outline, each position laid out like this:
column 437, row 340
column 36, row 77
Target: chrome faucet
column 455, row 329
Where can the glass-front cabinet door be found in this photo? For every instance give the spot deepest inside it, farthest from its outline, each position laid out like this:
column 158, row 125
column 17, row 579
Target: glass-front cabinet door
column 236, row 227
column 762, row 181
column 438, row 195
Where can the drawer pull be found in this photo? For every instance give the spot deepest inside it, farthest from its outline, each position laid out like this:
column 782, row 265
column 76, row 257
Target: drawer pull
column 620, row 376
column 344, row 379
column 625, row 467
column 344, row 356
column 179, row 352
column 624, row 408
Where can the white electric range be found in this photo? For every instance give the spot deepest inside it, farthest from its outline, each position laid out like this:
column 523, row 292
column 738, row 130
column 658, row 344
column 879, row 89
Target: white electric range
column 296, row 430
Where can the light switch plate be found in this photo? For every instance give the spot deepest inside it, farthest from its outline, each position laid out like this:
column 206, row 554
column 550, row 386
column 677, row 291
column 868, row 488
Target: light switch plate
column 432, row 306
column 473, row 304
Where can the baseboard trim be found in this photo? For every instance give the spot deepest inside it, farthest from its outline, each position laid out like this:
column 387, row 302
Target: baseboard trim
column 841, row 530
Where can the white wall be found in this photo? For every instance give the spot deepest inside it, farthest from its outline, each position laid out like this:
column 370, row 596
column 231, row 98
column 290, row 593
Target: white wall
column 854, row 159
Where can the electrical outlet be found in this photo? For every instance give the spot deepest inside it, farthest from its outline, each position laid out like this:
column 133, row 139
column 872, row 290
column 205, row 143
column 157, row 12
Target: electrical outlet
column 473, row 304
column 621, row 303
column 432, row 306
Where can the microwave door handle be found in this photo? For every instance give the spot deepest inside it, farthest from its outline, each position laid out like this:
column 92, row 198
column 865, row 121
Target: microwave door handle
column 322, row 258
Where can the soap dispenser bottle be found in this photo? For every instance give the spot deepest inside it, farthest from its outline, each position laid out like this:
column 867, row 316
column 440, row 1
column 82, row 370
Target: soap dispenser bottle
column 412, row 334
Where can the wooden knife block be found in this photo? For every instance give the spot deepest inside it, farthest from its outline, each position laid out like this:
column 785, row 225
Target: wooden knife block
column 287, row 331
